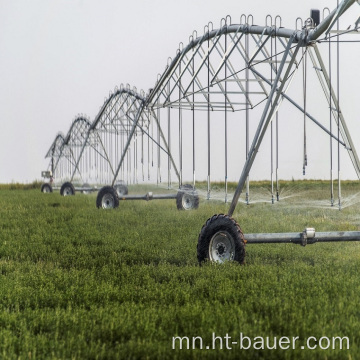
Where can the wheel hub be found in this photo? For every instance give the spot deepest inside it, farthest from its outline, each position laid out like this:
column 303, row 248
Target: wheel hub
column 107, row 202
column 221, row 247
column 187, row 202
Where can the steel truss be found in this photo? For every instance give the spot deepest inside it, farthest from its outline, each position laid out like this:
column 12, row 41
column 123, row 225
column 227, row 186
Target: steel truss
column 239, row 68
column 223, row 75
column 64, row 151
column 120, row 117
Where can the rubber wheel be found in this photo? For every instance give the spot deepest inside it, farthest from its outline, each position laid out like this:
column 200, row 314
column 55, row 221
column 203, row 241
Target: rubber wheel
column 107, row 198
column 121, row 189
column 220, row 240
column 46, row 188
column 67, row 189
column 187, row 198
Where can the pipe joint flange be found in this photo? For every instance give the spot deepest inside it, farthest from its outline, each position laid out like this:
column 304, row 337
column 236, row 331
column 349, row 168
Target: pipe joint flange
column 303, row 238
column 307, row 234
column 149, row 196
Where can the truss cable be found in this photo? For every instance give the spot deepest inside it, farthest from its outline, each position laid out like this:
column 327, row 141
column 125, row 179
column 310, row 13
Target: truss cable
column 193, row 123
column 208, row 116
column 137, row 151
column 125, row 153
column 129, row 164
column 96, row 165
column 226, row 124
column 104, row 163
column 122, row 150
column 86, row 169
column 169, row 143
column 152, row 143
column 338, row 107
column 83, row 167
column 133, row 160
column 180, row 130
column 271, row 124
column 148, row 144
column 69, row 167
column 108, row 150
column 101, row 168
column 277, row 18
column 277, row 145
column 106, row 147
column 330, row 126
column 142, row 155
column 75, row 154
column 98, row 172
column 111, row 150
column 117, row 146
column 89, row 164
column 136, row 181
column 247, row 115
column 126, row 168
column 118, row 149
column 81, row 170
column 103, row 172
column 91, row 175
column 158, row 148
column 304, row 97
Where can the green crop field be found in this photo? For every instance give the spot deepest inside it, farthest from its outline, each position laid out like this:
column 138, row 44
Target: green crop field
column 77, row 282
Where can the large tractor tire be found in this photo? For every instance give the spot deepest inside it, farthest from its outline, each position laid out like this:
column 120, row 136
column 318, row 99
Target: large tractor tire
column 46, row 188
column 220, row 240
column 107, row 198
column 187, row 198
column 67, row 189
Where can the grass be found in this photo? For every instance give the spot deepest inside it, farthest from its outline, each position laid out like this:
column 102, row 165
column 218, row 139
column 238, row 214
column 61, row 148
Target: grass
column 81, row 283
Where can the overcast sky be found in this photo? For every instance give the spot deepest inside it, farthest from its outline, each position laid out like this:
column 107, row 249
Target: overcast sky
column 60, row 58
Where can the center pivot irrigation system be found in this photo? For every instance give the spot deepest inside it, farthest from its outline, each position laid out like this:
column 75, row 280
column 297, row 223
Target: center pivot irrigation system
column 98, row 151
column 213, row 83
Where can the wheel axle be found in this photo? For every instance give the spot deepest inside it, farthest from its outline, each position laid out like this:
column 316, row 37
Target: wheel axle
column 186, row 198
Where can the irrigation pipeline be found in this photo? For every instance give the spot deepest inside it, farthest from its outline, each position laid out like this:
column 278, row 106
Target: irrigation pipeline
column 306, row 237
